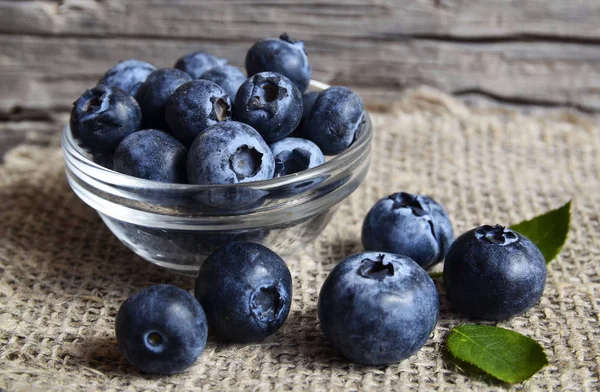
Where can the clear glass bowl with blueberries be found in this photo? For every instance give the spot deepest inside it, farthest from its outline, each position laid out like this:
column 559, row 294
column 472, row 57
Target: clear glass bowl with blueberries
column 181, row 161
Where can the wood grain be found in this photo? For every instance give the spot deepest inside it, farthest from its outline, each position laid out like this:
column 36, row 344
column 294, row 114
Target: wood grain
column 544, row 53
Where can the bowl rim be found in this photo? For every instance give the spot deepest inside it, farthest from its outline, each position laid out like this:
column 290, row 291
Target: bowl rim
column 73, row 149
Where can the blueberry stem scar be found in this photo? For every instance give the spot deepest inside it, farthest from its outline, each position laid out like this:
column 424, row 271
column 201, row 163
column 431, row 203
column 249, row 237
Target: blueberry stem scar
column 497, row 234
column 376, row 269
column 245, row 162
column 266, row 304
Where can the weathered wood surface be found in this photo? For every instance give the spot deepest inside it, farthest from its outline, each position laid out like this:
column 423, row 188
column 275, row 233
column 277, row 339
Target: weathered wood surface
column 537, row 52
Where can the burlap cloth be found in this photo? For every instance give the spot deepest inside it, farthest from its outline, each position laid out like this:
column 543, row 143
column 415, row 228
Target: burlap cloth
column 64, row 275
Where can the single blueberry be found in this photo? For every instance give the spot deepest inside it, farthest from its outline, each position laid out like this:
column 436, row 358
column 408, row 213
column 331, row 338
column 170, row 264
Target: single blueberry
column 308, row 101
column 153, row 155
column 230, row 78
column 161, row 329
column 284, row 55
column 270, row 103
column 494, row 273
column 229, row 153
column 154, row 94
column 335, row 118
column 378, row 308
column 196, row 63
column 246, row 291
column 293, row 155
column 103, row 116
column 127, row 75
column 195, row 106
column 412, row 225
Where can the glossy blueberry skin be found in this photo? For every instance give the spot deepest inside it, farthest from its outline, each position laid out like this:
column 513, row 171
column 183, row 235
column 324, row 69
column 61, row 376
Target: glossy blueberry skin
column 284, row 56
column 494, row 273
column 197, row 63
column 378, row 308
column 195, row 106
column 334, row 119
column 229, row 152
column 270, row 103
column 412, row 225
column 103, row 116
column 154, row 94
column 230, row 78
column 246, row 292
column 152, row 155
column 293, row 155
column 161, row 329
column 127, row 75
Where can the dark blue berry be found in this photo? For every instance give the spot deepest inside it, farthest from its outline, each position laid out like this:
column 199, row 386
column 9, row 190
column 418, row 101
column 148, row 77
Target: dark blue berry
column 153, row 155
column 103, row 116
column 378, row 308
column 246, row 291
column 229, row 152
column 270, row 103
column 293, row 155
column 154, row 94
column 334, row 119
column 230, row 78
column 161, row 329
column 195, row 106
column 284, row 56
column 308, row 101
column 412, row 225
column 127, row 75
column 196, row 63
column 494, row 273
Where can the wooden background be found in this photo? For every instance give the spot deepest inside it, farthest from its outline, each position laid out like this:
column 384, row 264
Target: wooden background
column 530, row 53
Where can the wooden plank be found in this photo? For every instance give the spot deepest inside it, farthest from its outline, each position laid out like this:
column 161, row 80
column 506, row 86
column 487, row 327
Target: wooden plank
column 311, row 19
column 51, row 72
column 19, row 129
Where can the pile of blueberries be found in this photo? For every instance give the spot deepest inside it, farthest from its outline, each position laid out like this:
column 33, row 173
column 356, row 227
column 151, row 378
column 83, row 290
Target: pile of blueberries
column 375, row 308
column 207, row 122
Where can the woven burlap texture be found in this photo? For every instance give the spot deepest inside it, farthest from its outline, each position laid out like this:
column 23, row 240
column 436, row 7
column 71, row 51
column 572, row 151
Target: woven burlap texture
column 63, row 274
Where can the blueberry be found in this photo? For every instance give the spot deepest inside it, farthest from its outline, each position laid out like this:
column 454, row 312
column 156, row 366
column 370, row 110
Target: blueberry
column 293, row 155
column 334, row 119
column 154, row 94
column 412, row 225
column 270, row 103
column 494, row 273
column 195, row 106
column 196, row 63
column 103, row 116
column 161, row 329
column 229, row 153
column 378, row 308
column 308, row 101
column 246, row 291
column 230, row 78
column 284, row 56
column 127, row 75
column 153, row 155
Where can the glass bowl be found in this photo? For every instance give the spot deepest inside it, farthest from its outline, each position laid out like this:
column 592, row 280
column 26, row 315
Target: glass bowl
column 178, row 225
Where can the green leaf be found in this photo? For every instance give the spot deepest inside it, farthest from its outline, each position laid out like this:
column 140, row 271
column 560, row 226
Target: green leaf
column 504, row 354
column 547, row 231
